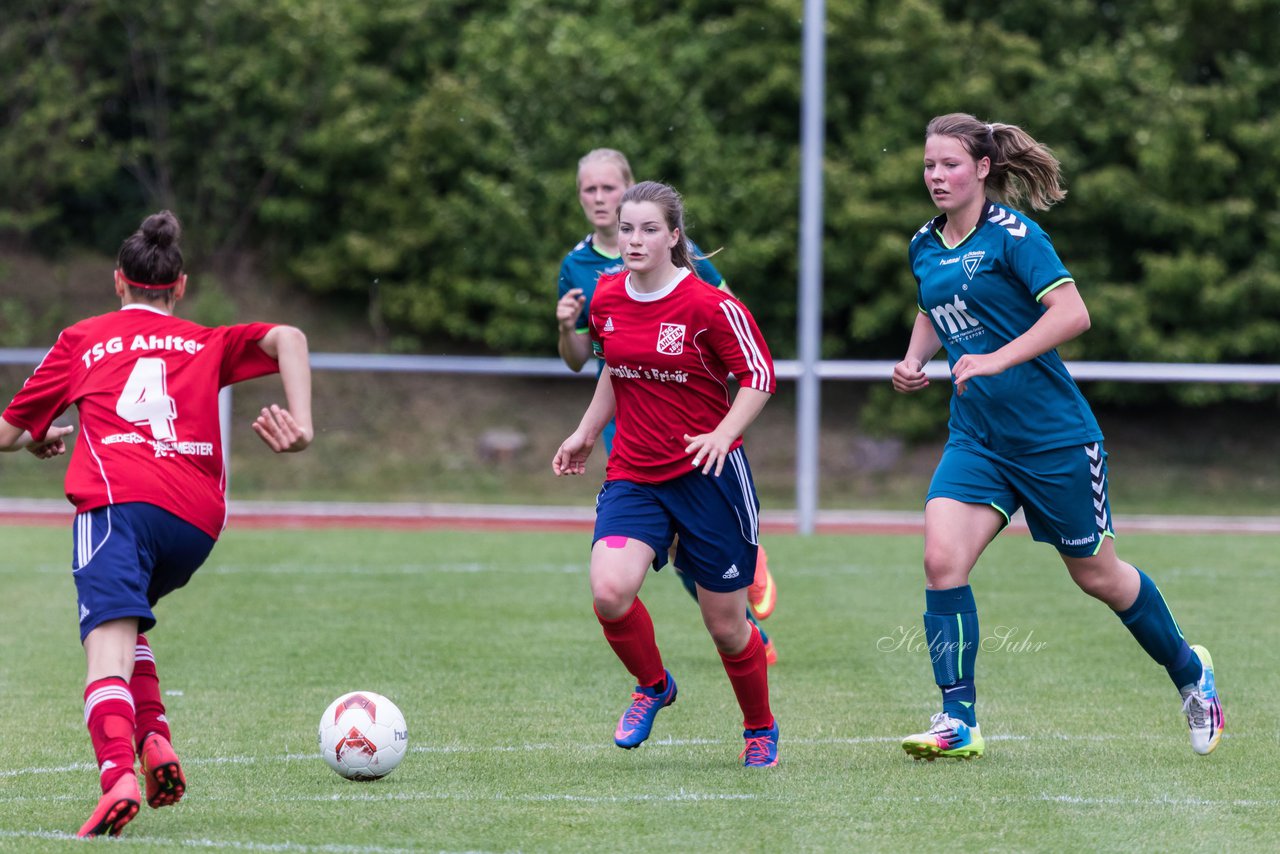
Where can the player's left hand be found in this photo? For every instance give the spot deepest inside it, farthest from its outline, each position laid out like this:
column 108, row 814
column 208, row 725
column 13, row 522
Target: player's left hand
column 972, row 365
column 711, row 447
column 281, row 433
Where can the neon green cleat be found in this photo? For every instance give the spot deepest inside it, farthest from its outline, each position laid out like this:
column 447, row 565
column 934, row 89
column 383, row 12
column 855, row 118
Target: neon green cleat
column 946, row 737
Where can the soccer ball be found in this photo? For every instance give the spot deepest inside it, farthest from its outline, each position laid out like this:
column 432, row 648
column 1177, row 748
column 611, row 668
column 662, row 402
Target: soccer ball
column 363, row 736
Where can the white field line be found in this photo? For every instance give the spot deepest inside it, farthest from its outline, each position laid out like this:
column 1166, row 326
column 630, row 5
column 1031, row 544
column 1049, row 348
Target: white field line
column 212, row 844
column 461, row 749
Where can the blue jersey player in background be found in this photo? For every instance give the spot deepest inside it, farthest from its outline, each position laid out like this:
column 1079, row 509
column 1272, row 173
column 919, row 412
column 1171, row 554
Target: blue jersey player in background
column 995, row 296
column 604, row 174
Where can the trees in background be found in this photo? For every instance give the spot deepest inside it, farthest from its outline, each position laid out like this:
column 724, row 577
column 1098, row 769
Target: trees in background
column 419, row 158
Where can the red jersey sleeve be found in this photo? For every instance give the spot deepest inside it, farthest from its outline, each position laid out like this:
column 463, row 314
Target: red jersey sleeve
column 242, row 358
column 46, row 394
column 737, row 340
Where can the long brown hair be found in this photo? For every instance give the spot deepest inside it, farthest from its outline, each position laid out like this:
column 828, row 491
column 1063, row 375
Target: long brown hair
column 1021, row 168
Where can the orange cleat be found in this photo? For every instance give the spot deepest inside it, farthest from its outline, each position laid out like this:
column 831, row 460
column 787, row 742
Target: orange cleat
column 770, row 653
column 762, row 595
column 165, row 783
column 115, row 809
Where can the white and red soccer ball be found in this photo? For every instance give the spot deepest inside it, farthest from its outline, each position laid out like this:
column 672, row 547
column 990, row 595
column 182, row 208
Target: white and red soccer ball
column 363, row 735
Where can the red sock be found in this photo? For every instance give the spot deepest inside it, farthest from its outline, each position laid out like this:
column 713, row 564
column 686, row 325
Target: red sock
column 749, row 675
column 633, row 642
column 108, row 713
column 145, row 688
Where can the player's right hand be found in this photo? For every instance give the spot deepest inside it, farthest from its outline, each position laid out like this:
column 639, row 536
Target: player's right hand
column 569, row 307
column 53, row 444
column 909, row 376
column 571, row 458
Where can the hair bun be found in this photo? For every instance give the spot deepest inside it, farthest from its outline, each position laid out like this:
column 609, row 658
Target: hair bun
column 161, row 229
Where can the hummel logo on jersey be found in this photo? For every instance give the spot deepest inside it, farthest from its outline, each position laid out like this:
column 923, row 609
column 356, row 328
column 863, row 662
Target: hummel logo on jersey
column 84, row 613
column 671, row 339
column 608, row 324
column 731, row 572
column 971, row 261
column 953, row 316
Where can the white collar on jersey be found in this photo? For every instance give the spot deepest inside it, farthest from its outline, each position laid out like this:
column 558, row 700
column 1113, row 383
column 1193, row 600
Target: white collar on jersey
column 144, row 307
column 670, row 286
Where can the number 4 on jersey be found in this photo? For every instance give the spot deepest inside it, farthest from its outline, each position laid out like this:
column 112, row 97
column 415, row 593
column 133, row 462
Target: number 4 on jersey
column 145, row 399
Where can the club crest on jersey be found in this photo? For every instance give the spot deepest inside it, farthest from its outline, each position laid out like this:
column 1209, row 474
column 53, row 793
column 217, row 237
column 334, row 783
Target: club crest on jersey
column 671, row 339
column 971, row 261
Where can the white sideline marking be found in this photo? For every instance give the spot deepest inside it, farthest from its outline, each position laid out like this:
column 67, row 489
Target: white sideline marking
column 548, row 797
column 538, row 747
column 409, row 569
column 212, row 843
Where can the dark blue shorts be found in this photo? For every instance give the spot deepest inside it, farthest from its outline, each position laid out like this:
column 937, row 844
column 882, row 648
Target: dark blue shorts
column 717, row 518
column 125, row 557
column 1063, row 492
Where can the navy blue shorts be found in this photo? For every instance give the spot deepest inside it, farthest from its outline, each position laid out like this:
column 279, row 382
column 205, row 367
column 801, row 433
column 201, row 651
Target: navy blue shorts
column 125, row 557
column 717, row 518
column 1063, row 492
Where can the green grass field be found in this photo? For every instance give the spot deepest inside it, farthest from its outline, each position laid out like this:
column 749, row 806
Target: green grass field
column 486, row 641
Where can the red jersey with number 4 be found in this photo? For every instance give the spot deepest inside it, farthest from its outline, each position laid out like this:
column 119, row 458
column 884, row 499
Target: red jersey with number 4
column 670, row 355
column 146, row 386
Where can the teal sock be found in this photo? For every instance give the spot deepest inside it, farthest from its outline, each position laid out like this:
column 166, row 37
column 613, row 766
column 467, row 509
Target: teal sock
column 951, row 630
column 1150, row 622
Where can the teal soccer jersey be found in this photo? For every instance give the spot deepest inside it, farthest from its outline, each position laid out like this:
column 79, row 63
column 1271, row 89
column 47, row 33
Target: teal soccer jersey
column 981, row 295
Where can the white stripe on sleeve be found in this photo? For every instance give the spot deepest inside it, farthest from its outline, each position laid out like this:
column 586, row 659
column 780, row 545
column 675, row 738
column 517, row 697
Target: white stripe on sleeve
column 761, row 369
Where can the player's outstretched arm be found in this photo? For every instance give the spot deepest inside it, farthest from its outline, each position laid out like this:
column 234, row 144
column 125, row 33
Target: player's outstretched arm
column 288, row 430
column 1064, row 318
column 14, row 438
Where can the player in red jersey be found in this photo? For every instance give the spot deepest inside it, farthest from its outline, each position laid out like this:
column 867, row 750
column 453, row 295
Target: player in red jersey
column 604, row 174
column 671, row 343
column 148, row 484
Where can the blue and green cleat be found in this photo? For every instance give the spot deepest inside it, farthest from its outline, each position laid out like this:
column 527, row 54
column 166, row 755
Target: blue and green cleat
column 947, row 738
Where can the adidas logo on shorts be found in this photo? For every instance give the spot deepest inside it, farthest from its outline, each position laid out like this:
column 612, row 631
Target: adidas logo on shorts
column 731, row 572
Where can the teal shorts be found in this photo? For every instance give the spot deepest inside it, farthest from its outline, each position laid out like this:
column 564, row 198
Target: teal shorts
column 1062, row 492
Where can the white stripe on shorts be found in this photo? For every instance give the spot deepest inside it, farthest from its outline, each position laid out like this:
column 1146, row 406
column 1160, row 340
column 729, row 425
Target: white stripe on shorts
column 737, row 459
column 85, row 549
